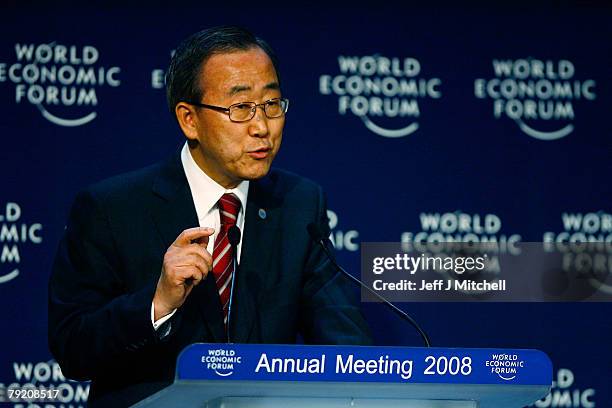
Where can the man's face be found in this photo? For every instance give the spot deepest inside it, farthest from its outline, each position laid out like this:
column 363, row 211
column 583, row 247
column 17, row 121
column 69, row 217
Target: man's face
column 227, row 151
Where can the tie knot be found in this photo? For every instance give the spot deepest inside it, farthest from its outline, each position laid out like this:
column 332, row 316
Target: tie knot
column 229, row 206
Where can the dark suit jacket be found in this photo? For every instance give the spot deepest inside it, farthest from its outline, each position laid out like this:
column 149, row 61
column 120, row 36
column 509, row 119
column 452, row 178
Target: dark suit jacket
column 110, row 258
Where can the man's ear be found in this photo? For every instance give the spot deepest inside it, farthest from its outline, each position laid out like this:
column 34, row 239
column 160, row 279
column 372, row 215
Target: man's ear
column 187, row 119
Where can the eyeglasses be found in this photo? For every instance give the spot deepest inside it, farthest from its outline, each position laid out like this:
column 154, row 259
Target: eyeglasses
column 244, row 111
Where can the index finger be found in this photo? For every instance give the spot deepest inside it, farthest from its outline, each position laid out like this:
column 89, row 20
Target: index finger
column 186, row 237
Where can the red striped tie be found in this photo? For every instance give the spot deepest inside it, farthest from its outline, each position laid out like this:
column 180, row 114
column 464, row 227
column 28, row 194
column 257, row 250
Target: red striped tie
column 223, row 253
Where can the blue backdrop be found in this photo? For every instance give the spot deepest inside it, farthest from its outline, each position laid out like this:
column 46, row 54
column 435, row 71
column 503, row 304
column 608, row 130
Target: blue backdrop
column 411, row 117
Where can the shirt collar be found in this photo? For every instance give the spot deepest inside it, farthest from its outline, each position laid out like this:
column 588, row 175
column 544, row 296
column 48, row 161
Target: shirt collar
column 206, row 192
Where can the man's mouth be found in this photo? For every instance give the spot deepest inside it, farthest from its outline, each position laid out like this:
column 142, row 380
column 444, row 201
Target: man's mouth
column 260, row 153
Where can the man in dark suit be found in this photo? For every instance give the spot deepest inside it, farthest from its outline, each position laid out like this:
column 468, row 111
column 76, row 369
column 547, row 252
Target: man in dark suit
column 146, row 268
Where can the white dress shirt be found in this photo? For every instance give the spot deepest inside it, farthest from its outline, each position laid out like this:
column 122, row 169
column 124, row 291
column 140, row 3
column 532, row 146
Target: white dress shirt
column 206, row 193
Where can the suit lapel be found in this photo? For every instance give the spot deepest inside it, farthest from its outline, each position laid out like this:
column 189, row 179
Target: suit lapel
column 172, row 213
column 261, row 232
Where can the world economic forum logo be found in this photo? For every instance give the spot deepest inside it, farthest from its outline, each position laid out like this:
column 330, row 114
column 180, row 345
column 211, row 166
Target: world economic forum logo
column 539, row 96
column 342, row 239
column 505, row 366
column 221, row 361
column 379, row 89
column 14, row 233
column 586, row 246
column 60, row 80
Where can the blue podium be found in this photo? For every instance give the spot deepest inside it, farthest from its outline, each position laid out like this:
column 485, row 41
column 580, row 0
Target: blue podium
column 296, row 376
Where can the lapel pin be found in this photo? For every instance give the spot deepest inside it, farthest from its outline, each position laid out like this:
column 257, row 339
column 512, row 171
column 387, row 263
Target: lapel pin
column 262, row 214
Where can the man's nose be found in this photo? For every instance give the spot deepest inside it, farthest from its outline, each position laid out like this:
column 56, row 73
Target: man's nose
column 258, row 125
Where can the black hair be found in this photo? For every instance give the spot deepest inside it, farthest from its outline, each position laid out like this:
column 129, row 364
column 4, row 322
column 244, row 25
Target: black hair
column 183, row 75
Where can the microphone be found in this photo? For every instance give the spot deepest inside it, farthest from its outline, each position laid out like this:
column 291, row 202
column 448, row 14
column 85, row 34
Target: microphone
column 233, row 236
column 317, row 235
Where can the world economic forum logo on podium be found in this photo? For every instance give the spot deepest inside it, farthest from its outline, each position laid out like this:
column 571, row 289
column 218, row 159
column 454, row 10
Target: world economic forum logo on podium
column 506, row 366
column 221, row 361
column 383, row 92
